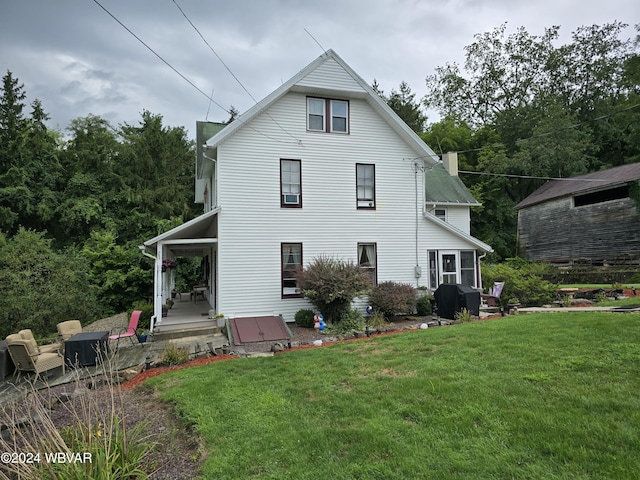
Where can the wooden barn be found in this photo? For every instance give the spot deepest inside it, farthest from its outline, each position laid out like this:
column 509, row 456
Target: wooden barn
column 591, row 219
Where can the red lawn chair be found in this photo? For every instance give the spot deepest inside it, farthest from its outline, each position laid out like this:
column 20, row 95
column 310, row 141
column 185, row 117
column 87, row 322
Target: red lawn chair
column 130, row 332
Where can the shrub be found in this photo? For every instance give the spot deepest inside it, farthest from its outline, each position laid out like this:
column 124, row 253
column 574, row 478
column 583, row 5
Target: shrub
column 304, row 318
column 522, row 280
column 463, row 316
column 392, row 298
column 174, row 355
column 376, row 320
column 352, row 321
column 41, row 286
column 424, row 306
column 331, row 285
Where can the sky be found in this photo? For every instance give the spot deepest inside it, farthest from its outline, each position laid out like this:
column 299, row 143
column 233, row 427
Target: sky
column 76, row 58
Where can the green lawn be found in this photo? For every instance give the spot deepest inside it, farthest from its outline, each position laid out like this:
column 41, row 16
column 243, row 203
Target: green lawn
column 530, row 396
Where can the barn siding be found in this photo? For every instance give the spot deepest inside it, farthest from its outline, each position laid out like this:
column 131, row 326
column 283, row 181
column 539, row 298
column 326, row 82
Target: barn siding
column 557, row 232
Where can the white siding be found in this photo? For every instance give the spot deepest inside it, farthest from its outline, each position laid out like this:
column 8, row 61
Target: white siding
column 252, row 225
column 330, row 75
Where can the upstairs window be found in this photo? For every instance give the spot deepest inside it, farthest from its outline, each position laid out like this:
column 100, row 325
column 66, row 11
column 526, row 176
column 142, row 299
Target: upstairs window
column 441, row 213
column 339, row 119
column 316, row 111
column 290, row 184
column 326, row 115
column 366, row 185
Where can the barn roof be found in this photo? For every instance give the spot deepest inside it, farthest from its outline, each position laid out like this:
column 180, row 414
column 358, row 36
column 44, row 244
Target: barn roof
column 594, row 181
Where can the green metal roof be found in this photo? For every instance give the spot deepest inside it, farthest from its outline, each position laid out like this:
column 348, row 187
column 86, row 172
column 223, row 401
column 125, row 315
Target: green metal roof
column 442, row 188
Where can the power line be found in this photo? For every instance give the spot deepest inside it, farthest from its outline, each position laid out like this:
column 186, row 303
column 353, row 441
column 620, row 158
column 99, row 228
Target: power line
column 158, row 55
column 179, row 73
column 546, row 134
column 227, row 67
column 532, row 177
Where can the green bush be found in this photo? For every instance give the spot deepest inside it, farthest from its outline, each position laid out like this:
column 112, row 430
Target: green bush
column 392, row 298
column 41, row 286
column 304, row 318
column 174, row 355
column 522, row 280
column 331, row 285
column 352, row 321
column 424, row 306
column 376, row 320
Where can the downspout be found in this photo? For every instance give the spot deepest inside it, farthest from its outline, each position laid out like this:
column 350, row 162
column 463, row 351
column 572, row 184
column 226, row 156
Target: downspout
column 479, row 269
column 417, row 269
column 155, row 282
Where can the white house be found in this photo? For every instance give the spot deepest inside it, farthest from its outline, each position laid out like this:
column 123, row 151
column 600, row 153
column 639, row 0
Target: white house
column 322, row 166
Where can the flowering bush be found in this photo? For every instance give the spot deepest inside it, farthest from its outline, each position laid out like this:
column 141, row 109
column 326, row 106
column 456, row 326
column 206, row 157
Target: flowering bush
column 331, row 284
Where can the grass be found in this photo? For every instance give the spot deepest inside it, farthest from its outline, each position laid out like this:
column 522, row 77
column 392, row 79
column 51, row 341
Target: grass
column 551, row 396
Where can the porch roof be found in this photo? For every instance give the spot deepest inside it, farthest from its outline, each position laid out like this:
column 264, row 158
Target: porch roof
column 190, row 238
column 478, row 244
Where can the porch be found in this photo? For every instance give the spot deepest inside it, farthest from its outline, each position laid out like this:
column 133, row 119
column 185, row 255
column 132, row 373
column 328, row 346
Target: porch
column 189, row 312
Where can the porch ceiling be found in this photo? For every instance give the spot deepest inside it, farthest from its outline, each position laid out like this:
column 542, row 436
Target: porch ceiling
column 192, row 238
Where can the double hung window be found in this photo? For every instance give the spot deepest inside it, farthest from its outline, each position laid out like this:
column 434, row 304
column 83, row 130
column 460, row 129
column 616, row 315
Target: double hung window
column 291, row 262
column 290, row 184
column 366, row 185
column 327, row 115
column 367, row 261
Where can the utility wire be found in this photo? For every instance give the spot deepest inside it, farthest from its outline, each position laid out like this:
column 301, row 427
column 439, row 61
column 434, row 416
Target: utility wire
column 227, row 67
column 546, row 134
column 532, row 177
column 158, row 55
column 177, row 72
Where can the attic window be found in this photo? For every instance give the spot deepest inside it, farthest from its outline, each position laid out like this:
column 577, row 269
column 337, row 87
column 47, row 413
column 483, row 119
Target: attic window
column 601, row 196
column 326, row 115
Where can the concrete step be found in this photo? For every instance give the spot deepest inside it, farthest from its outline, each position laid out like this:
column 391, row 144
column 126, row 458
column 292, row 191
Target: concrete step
column 171, row 334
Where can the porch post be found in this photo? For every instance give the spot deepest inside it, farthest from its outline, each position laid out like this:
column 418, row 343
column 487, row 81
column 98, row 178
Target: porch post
column 157, row 284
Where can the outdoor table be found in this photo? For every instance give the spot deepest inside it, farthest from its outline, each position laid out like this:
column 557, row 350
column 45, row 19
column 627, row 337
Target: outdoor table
column 199, row 290
column 85, row 348
column 6, row 364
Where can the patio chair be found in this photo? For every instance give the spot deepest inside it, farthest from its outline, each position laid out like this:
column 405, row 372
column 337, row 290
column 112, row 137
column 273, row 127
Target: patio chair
column 494, row 294
column 129, row 332
column 28, row 358
column 68, row 329
column 27, row 335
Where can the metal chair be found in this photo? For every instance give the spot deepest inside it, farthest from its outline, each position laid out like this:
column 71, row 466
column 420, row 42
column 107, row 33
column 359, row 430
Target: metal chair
column 68, row 329
column 27, row 335
column 130, row 331
column 28, row 358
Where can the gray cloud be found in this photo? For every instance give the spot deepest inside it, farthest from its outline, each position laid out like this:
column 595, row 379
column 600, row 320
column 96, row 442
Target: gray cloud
column 78, row 60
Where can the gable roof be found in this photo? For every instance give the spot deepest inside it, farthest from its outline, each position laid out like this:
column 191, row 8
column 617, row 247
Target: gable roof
column 445, row 189
column 342, row 79
column 589, row 182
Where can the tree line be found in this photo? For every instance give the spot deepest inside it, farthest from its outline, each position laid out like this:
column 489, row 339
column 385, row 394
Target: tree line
column 523, row 107
column 75, row 207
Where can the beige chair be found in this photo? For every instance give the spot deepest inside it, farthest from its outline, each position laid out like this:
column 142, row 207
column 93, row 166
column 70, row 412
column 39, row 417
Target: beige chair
column 27, row 357
column 27, row 335
column 68, row 329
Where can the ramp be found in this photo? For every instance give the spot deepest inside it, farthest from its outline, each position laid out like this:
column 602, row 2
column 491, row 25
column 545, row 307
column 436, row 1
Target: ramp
column 258, row 329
